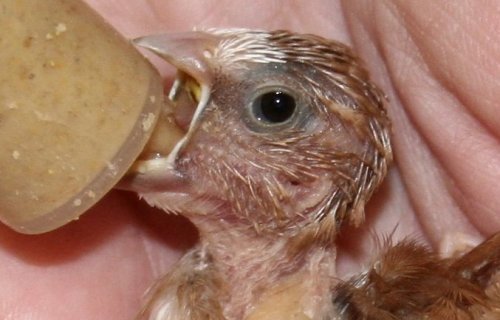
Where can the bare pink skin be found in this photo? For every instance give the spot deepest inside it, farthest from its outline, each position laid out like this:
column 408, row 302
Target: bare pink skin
column 439, row 65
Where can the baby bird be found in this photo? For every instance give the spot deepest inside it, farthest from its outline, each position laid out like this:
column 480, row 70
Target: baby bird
column 284, row 140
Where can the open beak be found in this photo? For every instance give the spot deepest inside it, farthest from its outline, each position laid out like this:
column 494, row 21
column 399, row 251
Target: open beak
column 190, row 53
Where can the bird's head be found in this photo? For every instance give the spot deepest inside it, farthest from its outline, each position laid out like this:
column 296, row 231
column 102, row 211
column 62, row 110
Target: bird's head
column 283, row 133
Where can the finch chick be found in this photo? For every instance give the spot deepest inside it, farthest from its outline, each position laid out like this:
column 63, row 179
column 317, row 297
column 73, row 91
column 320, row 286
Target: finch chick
column 285, row 140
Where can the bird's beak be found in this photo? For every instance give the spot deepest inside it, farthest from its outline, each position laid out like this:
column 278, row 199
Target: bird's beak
column 190, row 53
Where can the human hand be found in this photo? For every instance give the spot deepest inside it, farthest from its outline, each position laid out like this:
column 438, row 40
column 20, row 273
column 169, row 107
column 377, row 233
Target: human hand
column 438, row 66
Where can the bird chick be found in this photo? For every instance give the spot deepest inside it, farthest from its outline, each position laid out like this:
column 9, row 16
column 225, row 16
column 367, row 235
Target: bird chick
column 285, row 139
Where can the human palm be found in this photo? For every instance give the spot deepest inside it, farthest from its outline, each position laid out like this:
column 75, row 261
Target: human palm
column 438, row 64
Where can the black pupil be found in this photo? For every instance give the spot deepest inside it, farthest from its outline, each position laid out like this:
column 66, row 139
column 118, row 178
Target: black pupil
column 275, row 107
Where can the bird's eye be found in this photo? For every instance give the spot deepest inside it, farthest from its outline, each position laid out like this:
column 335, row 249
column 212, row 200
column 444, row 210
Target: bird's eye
column 274, row 107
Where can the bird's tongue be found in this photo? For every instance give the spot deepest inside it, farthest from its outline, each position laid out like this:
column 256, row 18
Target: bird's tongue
column 154, row 169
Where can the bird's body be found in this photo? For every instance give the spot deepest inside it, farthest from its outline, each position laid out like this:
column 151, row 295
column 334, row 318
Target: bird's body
column 409, row 281
column 285, row 139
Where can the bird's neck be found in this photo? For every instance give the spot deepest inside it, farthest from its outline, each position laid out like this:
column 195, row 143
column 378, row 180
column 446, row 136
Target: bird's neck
column 261, row 274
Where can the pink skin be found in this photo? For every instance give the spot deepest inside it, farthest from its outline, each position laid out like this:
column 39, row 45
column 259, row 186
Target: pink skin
column 439, row 65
